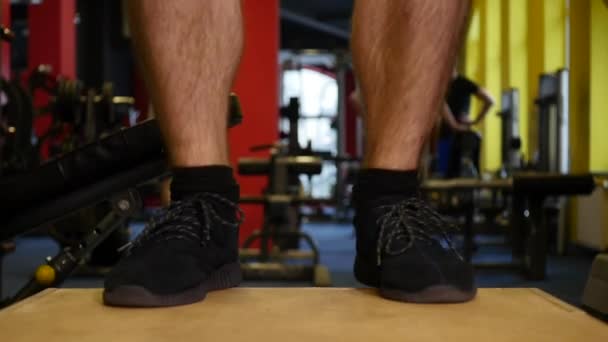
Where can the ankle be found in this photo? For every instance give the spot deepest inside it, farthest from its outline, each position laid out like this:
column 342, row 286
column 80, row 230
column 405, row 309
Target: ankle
column 217, row 179
column 373, row 184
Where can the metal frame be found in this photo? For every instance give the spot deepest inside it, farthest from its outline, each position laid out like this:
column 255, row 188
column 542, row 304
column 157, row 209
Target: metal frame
column 554, row 140
column 529, row 221
column 279, row 226
column 553, row 124
column 124, row 205
column 511, row 141
column 281, row 217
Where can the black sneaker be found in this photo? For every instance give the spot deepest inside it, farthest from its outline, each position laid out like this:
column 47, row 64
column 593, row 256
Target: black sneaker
column 187, row 251
column 404, row 249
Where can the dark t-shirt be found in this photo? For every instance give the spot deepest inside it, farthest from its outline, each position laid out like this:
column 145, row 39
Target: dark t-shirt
column 459, row 95
column 459, row 99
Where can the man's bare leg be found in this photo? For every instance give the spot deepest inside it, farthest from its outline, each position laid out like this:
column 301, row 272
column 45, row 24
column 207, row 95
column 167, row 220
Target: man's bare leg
column 189, row 51
column 403, row 53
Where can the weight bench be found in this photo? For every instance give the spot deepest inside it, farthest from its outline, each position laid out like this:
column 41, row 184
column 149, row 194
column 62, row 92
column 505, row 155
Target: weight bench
column 107, row 170
column 529, row 227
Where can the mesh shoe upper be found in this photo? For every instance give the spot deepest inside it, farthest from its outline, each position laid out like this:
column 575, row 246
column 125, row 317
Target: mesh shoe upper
column 403, row 243
column 181, row 246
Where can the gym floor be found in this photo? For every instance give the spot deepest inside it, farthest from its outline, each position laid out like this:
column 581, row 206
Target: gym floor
column 566, row 274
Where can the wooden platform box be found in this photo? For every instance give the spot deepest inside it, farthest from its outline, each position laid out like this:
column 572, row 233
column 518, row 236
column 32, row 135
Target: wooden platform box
column 301, row 314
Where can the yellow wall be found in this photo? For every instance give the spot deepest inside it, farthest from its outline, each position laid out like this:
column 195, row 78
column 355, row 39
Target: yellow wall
column 492, row 61
column 554, row 34
column 483, row 60
column 473, row 67
column 598, row 98
column 546, row 53
column 589, row 76
column 579, row 84
column 511, row 42
column 589, row 111
column 598, row 105
column 536, row 56
column 472, row 62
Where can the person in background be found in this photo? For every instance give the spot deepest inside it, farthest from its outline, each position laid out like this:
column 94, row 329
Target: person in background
column 456, row 124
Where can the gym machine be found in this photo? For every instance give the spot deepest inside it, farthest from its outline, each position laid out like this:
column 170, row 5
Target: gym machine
column 280, row 235
column 500, row 206
column 88, row 112
column 553, row 122
column 529, row 222
column 553, row 142
column 108, row 170
column 511, row 140
column 104, row 171
column 345, row 165
column 78, row 116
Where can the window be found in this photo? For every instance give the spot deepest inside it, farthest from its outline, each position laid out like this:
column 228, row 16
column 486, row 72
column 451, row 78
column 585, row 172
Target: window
column 318, row 94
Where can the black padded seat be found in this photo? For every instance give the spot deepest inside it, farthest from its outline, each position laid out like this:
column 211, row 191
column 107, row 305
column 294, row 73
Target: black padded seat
column 81, row 178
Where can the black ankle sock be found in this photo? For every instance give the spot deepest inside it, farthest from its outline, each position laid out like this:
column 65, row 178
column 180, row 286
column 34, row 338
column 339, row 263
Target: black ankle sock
column 216, row 179
column 373, row 184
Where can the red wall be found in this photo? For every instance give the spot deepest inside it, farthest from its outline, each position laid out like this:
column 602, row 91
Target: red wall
column 257, row 88
column 52, row 38
column 52, row 41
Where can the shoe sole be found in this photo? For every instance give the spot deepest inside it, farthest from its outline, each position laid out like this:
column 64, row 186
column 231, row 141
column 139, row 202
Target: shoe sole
column 436, row 294
column 225, row 277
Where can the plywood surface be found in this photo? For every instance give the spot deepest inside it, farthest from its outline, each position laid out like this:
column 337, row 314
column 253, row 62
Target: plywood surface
column 301, row 314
